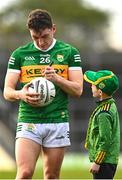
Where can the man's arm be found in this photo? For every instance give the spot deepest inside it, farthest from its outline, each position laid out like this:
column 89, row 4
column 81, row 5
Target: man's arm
column 11, row 94
column 73, row 86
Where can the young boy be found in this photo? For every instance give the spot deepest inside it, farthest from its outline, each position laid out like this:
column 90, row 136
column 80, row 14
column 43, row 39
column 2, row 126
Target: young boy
column 103, row 134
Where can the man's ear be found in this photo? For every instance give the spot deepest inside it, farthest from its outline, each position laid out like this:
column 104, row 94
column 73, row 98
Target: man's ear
column 54, row 28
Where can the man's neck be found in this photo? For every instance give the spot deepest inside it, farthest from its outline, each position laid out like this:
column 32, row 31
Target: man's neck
column 50, row 47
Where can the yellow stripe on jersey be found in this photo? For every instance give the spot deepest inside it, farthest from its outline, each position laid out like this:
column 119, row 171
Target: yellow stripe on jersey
column 30, row 72
column 108, row 107
column 105, row 107
column 100, row 157
column 102, row 108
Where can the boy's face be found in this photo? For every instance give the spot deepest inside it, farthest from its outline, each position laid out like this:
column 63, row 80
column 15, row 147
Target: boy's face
column 95, row 91
column 44, row 38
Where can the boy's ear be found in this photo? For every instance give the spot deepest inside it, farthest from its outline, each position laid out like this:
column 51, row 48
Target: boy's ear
column 100, row 92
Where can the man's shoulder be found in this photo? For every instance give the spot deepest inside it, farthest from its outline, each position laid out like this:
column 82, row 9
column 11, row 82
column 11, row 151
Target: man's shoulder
column 24, row 47
column 64, row 44
column 108, row 108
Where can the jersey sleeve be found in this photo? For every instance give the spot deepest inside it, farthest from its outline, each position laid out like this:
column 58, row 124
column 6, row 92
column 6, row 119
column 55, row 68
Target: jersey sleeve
column 105, row 134
column 14, row 62
column 75, row 60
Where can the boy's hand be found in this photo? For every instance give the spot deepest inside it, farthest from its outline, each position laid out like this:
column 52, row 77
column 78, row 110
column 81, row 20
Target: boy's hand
column 94, row 168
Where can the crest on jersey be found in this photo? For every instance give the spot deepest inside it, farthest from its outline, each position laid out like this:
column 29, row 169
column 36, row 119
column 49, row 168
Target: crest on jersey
column 60, row 57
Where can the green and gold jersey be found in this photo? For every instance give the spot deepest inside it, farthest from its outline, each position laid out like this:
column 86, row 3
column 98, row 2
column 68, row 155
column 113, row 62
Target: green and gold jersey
column 30, row 62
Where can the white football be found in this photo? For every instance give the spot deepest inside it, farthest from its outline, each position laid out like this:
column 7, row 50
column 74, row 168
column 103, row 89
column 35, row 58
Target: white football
column 45, row 88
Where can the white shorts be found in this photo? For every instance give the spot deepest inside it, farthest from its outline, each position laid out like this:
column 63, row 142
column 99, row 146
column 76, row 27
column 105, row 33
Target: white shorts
column 47, row 135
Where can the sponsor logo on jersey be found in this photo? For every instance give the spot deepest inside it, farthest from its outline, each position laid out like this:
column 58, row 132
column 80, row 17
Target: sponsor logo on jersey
column 28, row 58
column 44, row 55
column 30, row 72
column 60, row 57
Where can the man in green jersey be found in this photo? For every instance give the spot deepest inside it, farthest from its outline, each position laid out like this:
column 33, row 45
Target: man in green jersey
column 42, row 129
column 103, row 135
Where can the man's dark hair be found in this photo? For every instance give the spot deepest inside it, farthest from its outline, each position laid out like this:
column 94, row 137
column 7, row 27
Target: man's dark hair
column 39, row 19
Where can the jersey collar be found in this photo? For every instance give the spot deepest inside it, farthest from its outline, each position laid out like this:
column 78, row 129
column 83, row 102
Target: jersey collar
column 50, row 47
column 110, row 99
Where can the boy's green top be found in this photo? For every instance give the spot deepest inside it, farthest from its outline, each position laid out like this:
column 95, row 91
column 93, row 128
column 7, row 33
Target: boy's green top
column 103, row 135
column 30, row 62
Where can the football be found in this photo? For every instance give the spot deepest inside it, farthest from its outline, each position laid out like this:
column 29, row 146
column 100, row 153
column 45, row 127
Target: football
column 45, row 88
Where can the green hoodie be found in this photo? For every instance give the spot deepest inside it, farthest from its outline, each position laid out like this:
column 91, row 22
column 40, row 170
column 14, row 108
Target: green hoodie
column 103, row 135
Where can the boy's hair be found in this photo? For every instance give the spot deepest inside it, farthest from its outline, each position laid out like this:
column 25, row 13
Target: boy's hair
column 105, row 80
column 39, row 19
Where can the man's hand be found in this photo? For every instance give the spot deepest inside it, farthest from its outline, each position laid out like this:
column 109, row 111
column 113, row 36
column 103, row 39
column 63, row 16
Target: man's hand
column 29, row 97
column 94, row 168
column 50, row 74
